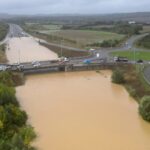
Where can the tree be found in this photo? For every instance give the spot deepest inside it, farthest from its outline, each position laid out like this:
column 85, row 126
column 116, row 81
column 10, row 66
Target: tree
column 7, row 95
column 144, row 108
column 6, row 78
column 27, row 134
column 117, row 77
column 15, row 116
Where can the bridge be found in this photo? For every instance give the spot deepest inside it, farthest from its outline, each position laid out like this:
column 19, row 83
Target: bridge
column 54, row 66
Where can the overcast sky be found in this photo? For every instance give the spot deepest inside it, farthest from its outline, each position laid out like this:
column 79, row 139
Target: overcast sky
column 72, row 6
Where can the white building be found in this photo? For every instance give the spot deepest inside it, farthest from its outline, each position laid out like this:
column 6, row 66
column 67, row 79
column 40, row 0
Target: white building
column 131, row 22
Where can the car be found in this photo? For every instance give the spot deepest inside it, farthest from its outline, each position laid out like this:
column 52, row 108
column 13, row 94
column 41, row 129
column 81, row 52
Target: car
column 87, row 61
column 140, row 61
column 4, row 67
column 34, row 62
column 20, row 67
column 66, row 59
column 36, row 65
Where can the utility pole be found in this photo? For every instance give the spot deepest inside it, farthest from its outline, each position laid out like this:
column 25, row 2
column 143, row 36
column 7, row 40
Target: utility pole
column 19, row 55
column 134, row 55
column 61, row 48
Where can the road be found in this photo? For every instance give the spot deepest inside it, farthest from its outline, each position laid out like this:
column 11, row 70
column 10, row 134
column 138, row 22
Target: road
column 14, row 31
column 129, row 44
column 17, row 31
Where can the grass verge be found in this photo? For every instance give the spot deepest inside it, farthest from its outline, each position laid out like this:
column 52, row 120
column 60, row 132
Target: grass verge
column 65, row 52
column 131, row 55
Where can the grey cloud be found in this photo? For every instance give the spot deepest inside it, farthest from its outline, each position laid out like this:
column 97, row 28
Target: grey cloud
column 73, row 6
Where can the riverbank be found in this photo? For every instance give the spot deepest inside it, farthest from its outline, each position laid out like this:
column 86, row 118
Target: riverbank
column 134, row 81
column 15, row 132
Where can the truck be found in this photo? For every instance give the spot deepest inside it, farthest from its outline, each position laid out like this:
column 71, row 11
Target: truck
column 120, row 59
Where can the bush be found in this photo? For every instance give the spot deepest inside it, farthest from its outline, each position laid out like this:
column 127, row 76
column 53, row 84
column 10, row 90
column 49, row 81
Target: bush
column 144, row 108
column 117, row 77
column 131, row 91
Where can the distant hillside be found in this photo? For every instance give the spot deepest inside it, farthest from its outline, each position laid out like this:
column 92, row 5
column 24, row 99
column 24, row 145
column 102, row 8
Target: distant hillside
column 140, row 17
column 143, row 17
column 5, row 16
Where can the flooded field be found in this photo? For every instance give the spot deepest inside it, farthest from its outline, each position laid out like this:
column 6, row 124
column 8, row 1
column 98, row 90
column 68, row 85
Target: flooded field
column 82, row 111
column 27, row 49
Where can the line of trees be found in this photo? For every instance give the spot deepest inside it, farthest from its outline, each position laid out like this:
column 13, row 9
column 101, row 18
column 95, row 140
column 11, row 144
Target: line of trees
column 106, row 43
column 15, row 133
column 120, row 28
column 124, row 29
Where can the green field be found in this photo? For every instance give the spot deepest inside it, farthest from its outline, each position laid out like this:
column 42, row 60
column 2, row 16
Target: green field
column 131, row 55
column 86, row 36
column 82, row 38
column 74, row 38
column 145, row 29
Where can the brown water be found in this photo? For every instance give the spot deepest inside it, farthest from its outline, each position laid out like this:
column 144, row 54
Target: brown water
column 82, row 111
column 27, row 49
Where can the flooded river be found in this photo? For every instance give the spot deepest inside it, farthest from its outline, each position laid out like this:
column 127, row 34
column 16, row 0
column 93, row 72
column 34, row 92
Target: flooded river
column 80, row 110
column 83, row 111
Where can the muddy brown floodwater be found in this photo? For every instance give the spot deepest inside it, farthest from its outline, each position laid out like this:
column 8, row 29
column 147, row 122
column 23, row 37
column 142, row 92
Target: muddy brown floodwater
column 27, row 49
column 82, row 111
column 77, row 111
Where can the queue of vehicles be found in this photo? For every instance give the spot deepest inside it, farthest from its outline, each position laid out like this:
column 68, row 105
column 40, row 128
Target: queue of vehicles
column 34, row 64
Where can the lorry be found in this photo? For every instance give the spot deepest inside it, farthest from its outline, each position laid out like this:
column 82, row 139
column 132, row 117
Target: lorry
column 120, row 59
